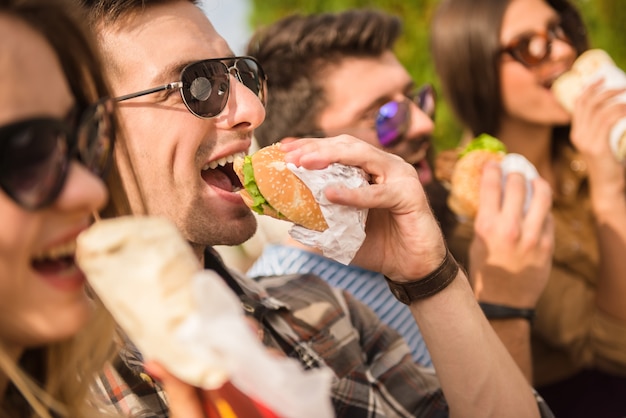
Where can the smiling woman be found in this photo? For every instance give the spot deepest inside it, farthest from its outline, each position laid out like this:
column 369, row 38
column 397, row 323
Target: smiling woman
column 54, row 150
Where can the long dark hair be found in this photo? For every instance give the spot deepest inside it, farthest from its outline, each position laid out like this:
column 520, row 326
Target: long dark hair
column 465, row 45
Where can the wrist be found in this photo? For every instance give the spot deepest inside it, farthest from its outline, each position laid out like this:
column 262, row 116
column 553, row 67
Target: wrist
column 608, row 206
column 428, row 285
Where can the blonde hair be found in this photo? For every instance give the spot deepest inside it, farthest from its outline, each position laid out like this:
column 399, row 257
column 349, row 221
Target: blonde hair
column 70, row 367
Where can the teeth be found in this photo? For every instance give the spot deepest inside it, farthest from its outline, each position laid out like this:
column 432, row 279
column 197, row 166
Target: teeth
column 63, row 250
column 223, row 161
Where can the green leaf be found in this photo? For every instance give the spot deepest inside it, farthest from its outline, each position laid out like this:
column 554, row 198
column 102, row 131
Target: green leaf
column 251, row 187
column 483, row 142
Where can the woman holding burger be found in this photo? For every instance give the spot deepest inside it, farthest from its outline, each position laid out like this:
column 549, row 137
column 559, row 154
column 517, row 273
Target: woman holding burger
column 497, row 61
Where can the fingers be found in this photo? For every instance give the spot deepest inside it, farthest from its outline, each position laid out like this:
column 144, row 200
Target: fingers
column 514, row 196
column 501, row 197
column 318, row 153
column 594, row 114
column 517, row 208
column 394, row 183
column 596, row 96
column 288, row 139
column 182, row 398
column 538, row 217
column 490, row 192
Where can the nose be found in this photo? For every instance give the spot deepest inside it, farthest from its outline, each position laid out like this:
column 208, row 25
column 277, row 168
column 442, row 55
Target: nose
column 561, row 49
column 421, row 123
column 82, row 192
column 244, row 108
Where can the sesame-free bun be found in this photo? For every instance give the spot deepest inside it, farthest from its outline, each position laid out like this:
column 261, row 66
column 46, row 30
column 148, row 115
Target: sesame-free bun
column 465, row 181
column 288, row 197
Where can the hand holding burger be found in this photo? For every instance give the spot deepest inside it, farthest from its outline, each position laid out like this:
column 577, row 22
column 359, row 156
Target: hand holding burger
column 275, row 188
column 465, row 180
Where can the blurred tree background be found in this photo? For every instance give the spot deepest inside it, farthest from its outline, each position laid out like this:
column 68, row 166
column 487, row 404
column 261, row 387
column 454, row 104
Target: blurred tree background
column 605, row 19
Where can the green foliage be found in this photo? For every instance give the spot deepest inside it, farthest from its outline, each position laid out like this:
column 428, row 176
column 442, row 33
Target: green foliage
column 605, row 20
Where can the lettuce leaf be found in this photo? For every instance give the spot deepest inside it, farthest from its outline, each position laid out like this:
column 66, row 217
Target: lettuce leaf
column 484, row 142
column 251, row 187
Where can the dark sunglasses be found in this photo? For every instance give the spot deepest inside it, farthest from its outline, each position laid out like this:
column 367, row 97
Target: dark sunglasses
column 205, row 85
column 533, row 49
column 394, row 118
column 35, row 154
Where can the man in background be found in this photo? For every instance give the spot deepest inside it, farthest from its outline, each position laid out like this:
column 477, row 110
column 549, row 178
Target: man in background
column 336, row 73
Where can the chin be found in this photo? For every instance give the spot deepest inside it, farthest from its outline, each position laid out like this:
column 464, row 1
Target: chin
column 563, row 119
column 244, row 232
column 61, row 325
column 229, row 232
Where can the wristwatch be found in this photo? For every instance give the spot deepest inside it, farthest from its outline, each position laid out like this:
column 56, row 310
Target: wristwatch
column 428, row 285
column 495, row 311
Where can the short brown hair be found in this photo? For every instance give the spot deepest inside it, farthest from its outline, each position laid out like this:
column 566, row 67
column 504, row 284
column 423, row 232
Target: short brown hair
column 296, row 50
column 109, row 11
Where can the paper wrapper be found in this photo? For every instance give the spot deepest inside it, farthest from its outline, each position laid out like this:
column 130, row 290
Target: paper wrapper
column 188, row 319
column 517, row 163
column 346, row 225
column 590, row 67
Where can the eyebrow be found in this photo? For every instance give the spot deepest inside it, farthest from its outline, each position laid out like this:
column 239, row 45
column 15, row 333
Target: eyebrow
column 173, row 70
column 375, row 105
column 553, row 21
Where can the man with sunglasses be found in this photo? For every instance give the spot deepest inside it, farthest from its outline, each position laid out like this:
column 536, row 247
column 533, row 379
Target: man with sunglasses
column 342, row 66
column 187, row 108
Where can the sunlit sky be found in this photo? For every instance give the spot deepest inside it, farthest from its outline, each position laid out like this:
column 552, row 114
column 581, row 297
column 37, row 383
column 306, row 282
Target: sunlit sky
column 230, row 19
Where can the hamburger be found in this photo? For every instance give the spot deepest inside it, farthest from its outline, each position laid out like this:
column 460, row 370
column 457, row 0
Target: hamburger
column 465, row 180
column 271, row 188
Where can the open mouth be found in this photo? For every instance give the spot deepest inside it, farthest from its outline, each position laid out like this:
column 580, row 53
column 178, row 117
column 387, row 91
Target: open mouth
column 419, row 159
column 415, row 151
column 424, row 172
column 55, row 261
column 547, row 83
column 220, row 173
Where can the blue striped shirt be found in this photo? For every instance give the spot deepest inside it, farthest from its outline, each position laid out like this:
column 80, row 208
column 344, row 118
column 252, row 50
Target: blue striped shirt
column 367, row 286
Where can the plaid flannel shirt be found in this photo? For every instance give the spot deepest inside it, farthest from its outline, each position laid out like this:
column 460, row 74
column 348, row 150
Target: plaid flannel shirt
column 322, row 327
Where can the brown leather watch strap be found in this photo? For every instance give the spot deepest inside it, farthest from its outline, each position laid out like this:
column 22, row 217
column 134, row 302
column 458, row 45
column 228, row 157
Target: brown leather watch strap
column 428, row 285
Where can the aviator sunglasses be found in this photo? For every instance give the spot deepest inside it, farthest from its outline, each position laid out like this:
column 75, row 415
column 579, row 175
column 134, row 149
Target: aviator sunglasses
column 35, row 154
column 394, row 117
column 205, row 85
column 533, row 49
